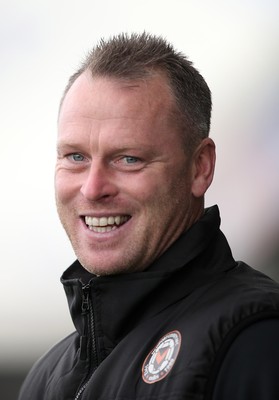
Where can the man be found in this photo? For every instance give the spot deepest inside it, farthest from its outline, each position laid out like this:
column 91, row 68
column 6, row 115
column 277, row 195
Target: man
column 161, row 308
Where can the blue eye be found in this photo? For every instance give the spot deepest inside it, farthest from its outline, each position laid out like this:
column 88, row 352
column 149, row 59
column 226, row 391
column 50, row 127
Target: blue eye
column 128, row 163
column 76, row 157
column 130, row 159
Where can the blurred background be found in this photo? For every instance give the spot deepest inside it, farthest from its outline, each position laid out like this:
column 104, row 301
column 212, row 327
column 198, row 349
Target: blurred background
column 234, row 44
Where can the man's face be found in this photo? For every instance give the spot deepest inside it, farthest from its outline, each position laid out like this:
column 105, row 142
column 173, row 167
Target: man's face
column 123, row 181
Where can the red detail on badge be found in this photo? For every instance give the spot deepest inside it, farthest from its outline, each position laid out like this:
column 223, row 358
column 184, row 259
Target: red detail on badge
column 161, row 358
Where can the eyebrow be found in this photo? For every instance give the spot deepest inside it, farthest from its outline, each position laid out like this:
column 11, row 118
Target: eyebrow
column 63, row 146
column 63, row 143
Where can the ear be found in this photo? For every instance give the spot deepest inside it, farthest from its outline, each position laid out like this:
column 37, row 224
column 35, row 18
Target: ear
column 203, row 167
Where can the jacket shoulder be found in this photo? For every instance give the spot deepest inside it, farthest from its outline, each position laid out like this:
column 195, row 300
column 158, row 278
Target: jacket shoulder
column 214, row 314
column 35, row 384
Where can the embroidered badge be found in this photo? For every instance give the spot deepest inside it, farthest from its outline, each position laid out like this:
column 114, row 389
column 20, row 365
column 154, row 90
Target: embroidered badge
column 161, row 359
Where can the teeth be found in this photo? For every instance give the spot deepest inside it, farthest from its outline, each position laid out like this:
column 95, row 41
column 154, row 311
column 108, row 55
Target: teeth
column 102, row 229
column 118, row 220
column 110, row 221
column 105, row 222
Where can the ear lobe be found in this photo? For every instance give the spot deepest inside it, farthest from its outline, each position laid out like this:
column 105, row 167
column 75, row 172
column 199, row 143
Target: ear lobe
column 203, row 167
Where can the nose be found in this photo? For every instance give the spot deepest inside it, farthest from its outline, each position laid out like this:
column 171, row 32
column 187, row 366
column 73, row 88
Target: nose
column 99, row 182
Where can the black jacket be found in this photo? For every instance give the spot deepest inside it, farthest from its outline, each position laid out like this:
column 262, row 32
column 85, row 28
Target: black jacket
column 162, row 334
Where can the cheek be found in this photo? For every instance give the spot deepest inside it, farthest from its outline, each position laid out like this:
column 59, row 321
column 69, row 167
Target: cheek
column 153, row 186
column 176, row 191
column 142, row 189
column 65, row 187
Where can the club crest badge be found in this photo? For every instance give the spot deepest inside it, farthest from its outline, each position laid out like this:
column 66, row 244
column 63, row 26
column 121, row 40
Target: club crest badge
column 161, row 359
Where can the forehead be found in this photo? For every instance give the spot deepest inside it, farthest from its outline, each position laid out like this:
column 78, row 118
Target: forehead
column 106, row 97
column 119, row 113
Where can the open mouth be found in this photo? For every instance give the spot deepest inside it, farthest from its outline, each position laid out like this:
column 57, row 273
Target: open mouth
column 105, row 224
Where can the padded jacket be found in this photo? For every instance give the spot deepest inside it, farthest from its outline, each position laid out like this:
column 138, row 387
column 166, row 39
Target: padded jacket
column 160, row 334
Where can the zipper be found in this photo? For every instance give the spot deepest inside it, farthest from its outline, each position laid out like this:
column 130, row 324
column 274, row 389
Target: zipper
column 87, row 312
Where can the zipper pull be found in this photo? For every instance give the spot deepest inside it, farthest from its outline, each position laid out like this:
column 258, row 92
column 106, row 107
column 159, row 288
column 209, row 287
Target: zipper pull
column 85, row 299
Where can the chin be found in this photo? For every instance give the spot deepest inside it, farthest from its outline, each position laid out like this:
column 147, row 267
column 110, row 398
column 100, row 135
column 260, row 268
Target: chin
column 103, row 269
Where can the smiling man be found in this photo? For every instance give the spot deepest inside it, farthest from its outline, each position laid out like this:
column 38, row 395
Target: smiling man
column 123, row 179
column 161, row 308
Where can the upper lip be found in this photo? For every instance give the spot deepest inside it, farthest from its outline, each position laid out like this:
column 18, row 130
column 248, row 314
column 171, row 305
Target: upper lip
column 104, row 214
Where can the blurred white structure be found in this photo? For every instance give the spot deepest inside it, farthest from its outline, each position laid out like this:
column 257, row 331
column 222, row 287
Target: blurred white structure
column 234, row 44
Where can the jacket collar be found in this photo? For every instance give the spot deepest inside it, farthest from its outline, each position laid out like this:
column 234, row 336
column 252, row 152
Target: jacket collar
column 121, row 302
